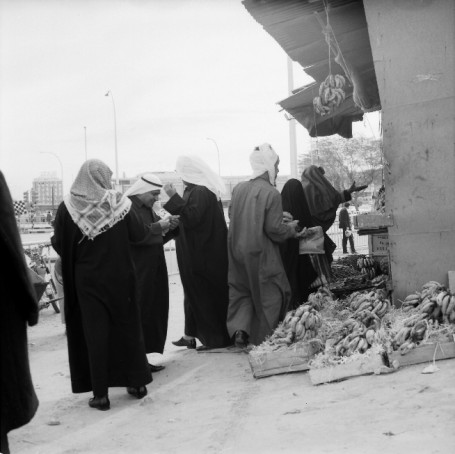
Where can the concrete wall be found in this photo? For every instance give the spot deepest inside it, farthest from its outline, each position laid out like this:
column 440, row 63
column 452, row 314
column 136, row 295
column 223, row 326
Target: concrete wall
column 413, row 50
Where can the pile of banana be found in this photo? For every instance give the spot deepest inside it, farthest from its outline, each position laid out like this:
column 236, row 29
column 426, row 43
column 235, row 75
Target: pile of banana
column 369, row 306
column 354, row 336
column 366, row 265
column 430, row 307
column 300, row 324
column 331, row 94
column 435, row 301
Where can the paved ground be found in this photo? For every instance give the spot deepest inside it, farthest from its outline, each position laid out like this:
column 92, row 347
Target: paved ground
column 211, row 403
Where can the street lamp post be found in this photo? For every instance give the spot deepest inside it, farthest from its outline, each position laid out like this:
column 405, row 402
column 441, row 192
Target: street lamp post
column 109, row 93
column 85, row 139
column 218, row 151
column 292, row 129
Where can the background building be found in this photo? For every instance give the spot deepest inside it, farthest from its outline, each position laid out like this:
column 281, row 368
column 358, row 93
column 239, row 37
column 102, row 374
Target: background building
column 46, row 193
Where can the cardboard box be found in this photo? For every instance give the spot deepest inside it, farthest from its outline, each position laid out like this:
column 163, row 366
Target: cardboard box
column 291, row 359
column 425, row 354
column 372, row 221
column 378, row 245
column 362, row 366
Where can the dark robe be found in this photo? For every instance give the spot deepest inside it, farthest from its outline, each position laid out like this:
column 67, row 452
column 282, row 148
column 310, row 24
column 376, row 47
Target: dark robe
column 323, row 201
column 202, row 259
column 18, row 307
column 105, row 341
column 299, row 270
column 152, row 278
column 258, row 286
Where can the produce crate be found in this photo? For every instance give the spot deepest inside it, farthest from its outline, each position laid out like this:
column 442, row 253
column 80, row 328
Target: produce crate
column 372, row 221
column 425, row 354
column 292, row 359
column 363, row 366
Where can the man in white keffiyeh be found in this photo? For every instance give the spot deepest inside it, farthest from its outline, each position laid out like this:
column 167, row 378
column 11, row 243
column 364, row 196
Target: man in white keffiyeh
column 194, row 170
column 201, row 253
column 258, row 287
column 264, row 159
column 92, row 203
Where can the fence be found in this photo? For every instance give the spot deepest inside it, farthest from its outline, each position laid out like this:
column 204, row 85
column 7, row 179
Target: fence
column 335, row 233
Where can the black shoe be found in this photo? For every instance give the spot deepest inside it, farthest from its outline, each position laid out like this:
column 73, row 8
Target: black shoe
column 139, row 392
column 185, row 343
column 241, row 339
column 101, row 403
column 154, row 368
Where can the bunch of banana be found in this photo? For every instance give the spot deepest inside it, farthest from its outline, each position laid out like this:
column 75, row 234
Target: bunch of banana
column 447, row 302
column 411, row 301
column 411, row 334
column 321, row 296
column 370, row 305
column 366, row 265
column 353, row 336
column 331, row 94
column 300, row 324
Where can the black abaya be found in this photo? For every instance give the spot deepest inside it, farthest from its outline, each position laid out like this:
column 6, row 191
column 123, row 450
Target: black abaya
column 203, row 264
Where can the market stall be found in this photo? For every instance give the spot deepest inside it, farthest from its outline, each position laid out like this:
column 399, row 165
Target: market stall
column 362, row 333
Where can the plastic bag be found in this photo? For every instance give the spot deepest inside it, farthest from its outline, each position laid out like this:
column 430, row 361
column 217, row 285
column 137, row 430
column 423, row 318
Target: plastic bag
column 313, row 242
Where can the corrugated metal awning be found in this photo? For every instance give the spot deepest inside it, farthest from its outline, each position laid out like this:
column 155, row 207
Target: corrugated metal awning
column 298, row 27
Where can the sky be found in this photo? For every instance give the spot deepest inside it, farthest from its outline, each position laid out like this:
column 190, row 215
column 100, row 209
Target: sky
column 178, row 71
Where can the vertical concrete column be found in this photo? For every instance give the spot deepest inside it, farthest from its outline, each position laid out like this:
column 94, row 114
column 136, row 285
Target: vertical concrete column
column 413, row 51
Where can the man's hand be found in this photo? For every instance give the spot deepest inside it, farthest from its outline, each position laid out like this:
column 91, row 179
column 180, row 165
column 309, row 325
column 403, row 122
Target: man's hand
column 169, row 189
column 164, row 224
column 287, row 217
column 173, row 221
column 355, row 188
column 294, row 225
column 303, row 233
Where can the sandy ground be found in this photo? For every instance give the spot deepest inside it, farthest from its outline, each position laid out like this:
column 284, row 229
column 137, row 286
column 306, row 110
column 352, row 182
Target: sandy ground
column 210, row 403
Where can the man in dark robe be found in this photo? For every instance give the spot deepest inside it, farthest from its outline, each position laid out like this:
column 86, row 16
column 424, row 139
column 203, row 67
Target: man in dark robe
column 344, row 221
column 299, row 270
column 18, row 308
column 201, row 253
column 258, row 286
column 93, row 229
column 150, row 263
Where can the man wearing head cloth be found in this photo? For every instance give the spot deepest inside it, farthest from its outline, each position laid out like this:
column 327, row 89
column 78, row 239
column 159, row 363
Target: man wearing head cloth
column 150, row 263
column 93, row 228
column 258, row 287
column 201, row 253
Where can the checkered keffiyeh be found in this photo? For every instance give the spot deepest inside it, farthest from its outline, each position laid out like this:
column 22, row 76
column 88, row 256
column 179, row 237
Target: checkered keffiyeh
column 92, row 204
column 19, row 207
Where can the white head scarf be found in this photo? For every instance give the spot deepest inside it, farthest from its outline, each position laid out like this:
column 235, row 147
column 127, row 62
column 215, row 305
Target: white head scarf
column 146, row 183
column 91, row 203
column 263, row 159
column 194, row 170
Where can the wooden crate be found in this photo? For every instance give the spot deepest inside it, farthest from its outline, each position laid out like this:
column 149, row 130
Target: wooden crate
column 363, row 366
column 425, row 354
column 292, row 359
column 372, row 221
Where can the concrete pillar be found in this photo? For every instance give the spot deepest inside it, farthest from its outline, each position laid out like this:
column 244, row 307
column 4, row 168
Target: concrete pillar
column 413, row 51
